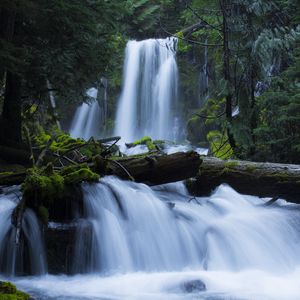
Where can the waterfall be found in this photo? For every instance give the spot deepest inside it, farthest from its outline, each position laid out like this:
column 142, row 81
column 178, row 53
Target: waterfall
column 29, row 255
column 137, row 242
column 90, row 118
column 137, row 228
column 148, row 102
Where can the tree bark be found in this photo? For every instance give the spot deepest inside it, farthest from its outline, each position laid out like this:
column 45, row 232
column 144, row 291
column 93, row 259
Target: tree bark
column 259, row 179
column 11, row 120
column 157, row 169
column 151, row 169
column 227, row 72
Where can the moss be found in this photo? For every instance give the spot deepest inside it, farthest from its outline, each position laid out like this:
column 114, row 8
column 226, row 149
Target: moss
column 231, row 164
column 83, row 174
column 47, row 187
column 63, row 142
column 282, row 176
column 9, row 292
column 7, row 288
column 146, row 140
column 142, row 141
column 251, row 168
column 3, row 174
column 182, row 46
column 150, row 146
column 43, row 214
column 225, row 171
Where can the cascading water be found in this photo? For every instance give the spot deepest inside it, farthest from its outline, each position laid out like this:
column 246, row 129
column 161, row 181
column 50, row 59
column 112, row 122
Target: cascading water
column 148, row 103
column 158, row 235
column 26, row 255
column 89, row 119
column 138, row 242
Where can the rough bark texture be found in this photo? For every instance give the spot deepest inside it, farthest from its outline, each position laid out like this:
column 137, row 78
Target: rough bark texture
column 11, row 114
column 157, row 169
column 259, row 179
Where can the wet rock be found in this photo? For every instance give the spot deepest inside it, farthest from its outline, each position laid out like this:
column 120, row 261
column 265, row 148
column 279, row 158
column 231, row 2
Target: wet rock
column 194, row 286
column 60, row 244
column 8, row 291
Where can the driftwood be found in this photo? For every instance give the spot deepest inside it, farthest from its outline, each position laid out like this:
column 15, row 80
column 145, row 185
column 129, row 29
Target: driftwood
column 259, row 179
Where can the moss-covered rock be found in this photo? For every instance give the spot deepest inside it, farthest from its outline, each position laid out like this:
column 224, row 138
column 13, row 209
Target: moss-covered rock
column 51, row 193
column 8, row 291
column 146, row 140
column 46, row 187
column 142, row 141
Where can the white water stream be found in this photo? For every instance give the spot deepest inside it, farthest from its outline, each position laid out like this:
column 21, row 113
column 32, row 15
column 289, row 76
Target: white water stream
column 148, row 243
column 14, row 259
column 87, row 120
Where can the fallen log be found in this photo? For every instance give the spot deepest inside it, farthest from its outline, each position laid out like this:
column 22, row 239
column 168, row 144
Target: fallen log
column 151, row 169
column 253, row 178
column 155, row 168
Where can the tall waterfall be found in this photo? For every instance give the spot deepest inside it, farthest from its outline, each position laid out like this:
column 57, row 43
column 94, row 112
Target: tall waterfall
column 148, row 103
column 27, row 256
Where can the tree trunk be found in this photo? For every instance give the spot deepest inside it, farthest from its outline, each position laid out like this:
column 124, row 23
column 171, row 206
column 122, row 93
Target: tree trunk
column 259, row 179
column 227, row 73
column 11, row 114
column 157, row 169
column 151, row 169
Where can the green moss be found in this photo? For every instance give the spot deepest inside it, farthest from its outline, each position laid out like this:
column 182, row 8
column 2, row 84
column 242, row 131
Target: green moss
column 3, row 174
column 230, row 164
column 46, row 187
column 83, row 174
column 150, row 146
column 282, row 176
column 142, row 141
column 9, row 292
column 7, row 288
column 251, row 168
column 146, row 140
column 63, row 142
column 225, row 170
column 182, row 46
column 43, row 214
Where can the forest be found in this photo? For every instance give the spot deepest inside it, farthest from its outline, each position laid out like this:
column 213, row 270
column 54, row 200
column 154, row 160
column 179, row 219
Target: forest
column 131, row 133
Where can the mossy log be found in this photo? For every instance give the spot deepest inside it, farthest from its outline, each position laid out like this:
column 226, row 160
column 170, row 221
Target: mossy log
column 156, row 169
column 253, row 178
